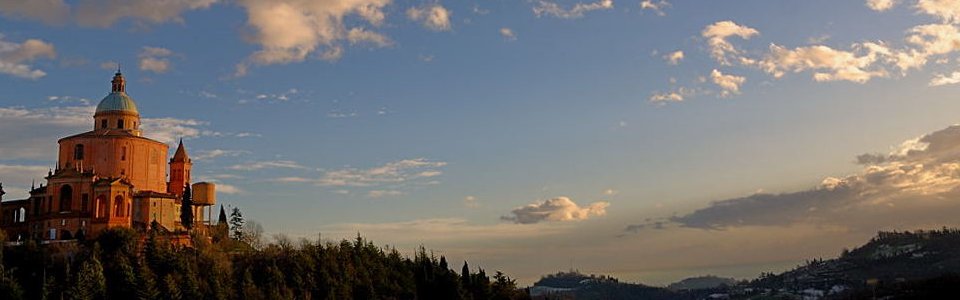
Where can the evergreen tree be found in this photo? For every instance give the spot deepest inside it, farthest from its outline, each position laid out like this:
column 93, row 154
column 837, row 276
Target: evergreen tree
column 465, row 276
column 186, row 208
column 236, row 223
column 170, row 288
column 90, row 282
column 9, row 287
column 146, row 282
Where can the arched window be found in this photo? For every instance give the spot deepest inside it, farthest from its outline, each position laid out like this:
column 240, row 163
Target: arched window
column 102, row 206
column 120, row 123
column 66, row 197
column 23, row 215
column 78, row 152
column 118, row 206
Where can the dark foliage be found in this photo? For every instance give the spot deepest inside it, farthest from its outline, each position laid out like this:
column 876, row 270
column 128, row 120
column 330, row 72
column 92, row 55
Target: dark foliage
column 125, row 264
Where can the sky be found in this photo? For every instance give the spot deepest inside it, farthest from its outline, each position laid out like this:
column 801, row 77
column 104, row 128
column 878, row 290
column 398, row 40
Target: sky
column 648, row 140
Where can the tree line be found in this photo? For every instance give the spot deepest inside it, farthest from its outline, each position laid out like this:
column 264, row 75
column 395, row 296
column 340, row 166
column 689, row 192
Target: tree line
column 124, row 263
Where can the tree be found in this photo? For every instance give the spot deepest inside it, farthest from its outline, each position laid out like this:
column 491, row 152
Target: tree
column 90, row 282
column 186, row 208
column 9, row 287
column 236, row 223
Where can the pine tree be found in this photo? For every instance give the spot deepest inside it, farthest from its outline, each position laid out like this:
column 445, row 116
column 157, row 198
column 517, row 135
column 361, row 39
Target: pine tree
column 90, row 282
column 236, row 223
column 465, row 276
column 186, row 208
column 146, row 282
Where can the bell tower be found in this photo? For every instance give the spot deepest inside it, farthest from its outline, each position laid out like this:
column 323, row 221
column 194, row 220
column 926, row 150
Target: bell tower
column 180, row 166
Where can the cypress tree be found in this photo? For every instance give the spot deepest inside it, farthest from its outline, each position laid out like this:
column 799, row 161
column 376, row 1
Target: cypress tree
column 186, row 208
column 236, row 223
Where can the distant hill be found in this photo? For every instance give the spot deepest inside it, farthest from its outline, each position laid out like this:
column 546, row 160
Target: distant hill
column 923, row 264
column 701, row 282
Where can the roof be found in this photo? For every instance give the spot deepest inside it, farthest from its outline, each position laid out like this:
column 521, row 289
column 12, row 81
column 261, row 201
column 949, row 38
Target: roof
column 181, row 154
column 117, row 101
column 110, row 133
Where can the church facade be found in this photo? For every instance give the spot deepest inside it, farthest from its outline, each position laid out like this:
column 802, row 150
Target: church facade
column 111, row 176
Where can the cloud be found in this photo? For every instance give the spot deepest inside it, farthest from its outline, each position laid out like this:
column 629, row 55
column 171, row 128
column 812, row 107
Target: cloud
column 559, row 209
column 291, row 30
column 676, row 95
column 674, row 57
column 656, row 7
column 721, row 49
column 272, row 164
column 610, row 192
column 154, row 59
column 471, row 202
column 14, row 57
column 729, row 84
column 946, row 10
column 47, row 11
column 828, row 64
column 16, row 179
column 383, row 193
column 508, row 34
column 433, row 16
column 941, row 79
column 392, row 172
column 917, row 184
column 359, row 35
column 881, row 5
column 102, row 13
column 553, row 9
column 211, row 154
column 170, row 130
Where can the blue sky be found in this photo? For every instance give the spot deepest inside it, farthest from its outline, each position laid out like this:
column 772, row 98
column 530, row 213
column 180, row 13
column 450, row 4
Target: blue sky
column 529, row 136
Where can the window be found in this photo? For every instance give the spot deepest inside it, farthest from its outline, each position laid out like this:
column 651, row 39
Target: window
column 103, row 123
column 84, row 202
column 23, row 215
column 78, row 152
column 37, row 202
column 120, row 123
column 66, row 198
column 123, row 153
column 118, row 207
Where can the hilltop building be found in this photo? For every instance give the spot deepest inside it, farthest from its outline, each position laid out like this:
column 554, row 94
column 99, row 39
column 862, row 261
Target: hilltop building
column 111, row 176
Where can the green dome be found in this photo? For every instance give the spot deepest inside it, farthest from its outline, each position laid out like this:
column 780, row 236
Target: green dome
column 117, row 101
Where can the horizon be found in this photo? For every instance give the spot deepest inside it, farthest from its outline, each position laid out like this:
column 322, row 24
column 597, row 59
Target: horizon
column 648, row 140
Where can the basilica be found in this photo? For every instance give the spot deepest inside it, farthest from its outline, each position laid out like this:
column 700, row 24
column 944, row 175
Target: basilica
column 110, row 176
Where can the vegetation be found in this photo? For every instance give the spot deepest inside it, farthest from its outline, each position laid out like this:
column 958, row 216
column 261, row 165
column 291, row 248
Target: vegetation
column 125, row 264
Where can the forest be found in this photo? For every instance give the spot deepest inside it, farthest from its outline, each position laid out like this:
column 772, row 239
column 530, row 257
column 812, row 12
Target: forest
column 124, row 263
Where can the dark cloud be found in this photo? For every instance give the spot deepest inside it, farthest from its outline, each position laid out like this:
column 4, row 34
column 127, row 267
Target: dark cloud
column 916, row 184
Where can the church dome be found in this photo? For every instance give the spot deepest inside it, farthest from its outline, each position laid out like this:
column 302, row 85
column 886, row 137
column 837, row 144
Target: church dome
column 117, row 101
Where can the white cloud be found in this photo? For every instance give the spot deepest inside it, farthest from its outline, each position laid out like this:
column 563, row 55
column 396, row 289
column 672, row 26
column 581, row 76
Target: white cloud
column 676, row 95
column 729, row 84
column 272, row 164
column 359, row 35
column 471, row 202
column 881, row 5
column 155, row 59
column 559, row 209
column 102, row 13
column 656, row 7
column 553, row 9
column 827, row 63
column 674, row 57
column 392, row 172
column 508, row 34
column 170, row 130
column 291, row 30
column 946, row 10
column 941, row 79
column 721, row 49
column 215, row 153
column 610, row 192
column 434, row 16
column 14, row 57
column 16, row 179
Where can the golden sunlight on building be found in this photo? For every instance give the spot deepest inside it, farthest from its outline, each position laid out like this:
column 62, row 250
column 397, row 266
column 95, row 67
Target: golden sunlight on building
column 108, row 177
